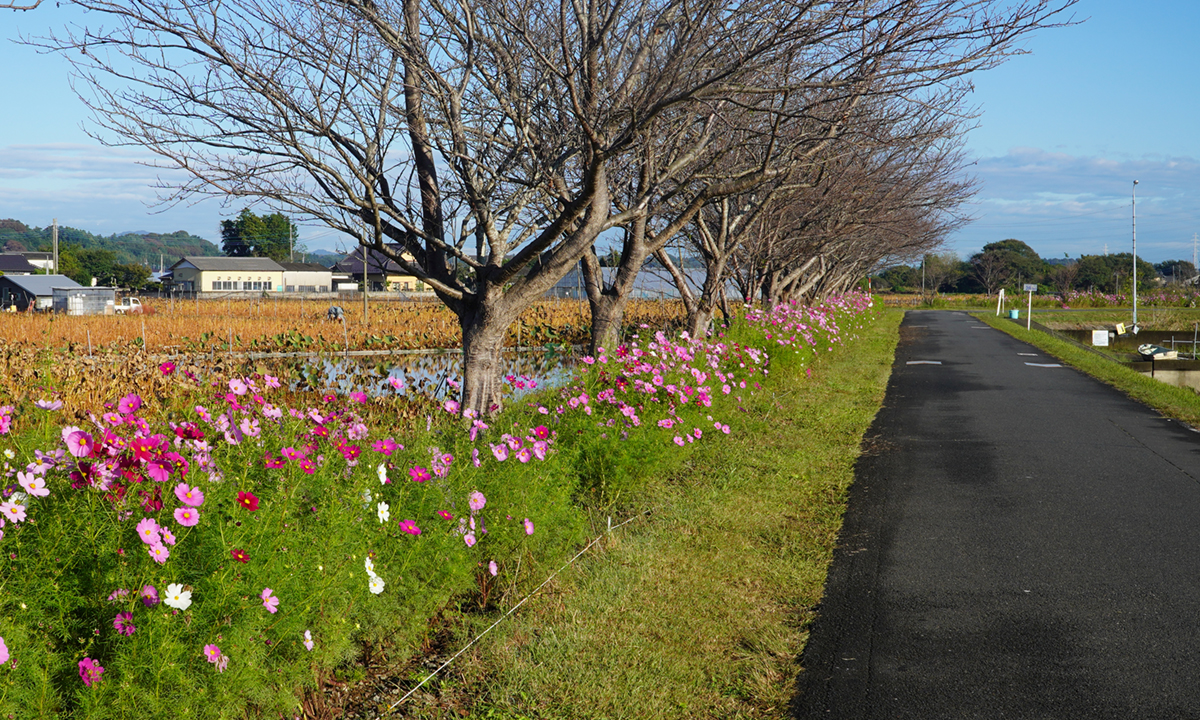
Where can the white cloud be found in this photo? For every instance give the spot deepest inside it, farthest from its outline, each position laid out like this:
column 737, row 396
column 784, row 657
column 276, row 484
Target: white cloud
column 1057, row 202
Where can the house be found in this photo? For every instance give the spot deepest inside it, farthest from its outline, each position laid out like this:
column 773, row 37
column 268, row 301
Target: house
column 21, row 291
column 206, row 274
column 16, row 264
column 43, row 261
column 306, row 277
column 383, row 273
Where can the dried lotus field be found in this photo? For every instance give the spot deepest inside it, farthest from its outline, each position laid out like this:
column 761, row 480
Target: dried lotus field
column 188, row 327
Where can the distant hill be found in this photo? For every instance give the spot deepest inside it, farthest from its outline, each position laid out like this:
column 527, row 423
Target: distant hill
column 142, row 248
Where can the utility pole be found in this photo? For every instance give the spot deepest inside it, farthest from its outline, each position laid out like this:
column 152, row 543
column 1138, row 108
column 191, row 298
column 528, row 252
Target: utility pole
column 291, row 241
column 55, row 246
column 1135, row 325
column 363, row 240
column 1193, row 249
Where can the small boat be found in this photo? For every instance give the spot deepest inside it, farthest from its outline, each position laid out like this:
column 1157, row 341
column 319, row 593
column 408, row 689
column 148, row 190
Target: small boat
column 1156, row 352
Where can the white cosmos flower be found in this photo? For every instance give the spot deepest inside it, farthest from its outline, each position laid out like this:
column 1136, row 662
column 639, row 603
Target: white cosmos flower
column 382, row 470
column 177, row 597
column 370, row 566
column 375, row 584
column 384, row 513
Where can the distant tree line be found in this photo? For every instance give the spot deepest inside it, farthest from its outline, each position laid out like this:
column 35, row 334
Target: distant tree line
column 1010, row 264
column 135, row 248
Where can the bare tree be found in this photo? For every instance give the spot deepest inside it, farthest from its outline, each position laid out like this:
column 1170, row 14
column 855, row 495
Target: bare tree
column 429, row 127
column 992, row 270
column 1063, row 277
column 20, row 6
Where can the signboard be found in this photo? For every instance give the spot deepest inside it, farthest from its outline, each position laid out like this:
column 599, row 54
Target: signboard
column 1100, row 338
column 1030, row 287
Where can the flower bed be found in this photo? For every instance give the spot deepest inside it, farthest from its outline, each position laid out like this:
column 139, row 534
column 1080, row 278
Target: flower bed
column 218, row 552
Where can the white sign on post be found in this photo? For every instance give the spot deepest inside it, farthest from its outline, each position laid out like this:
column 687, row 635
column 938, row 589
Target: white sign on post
column 1030, row 287
column 1100, row 338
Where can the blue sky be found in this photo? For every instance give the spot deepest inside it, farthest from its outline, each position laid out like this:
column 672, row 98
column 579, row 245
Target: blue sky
column 1062, row 134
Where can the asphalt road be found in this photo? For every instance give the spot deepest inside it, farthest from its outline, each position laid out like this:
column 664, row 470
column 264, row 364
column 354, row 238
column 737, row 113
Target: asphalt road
column 1020, row 542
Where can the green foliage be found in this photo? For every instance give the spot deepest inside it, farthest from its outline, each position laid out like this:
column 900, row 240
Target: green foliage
column 251, row 235
column 1111, row 273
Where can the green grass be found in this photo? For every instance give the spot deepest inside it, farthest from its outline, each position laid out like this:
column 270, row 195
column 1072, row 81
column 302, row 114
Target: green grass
column 1174, row 402
column 701, row 608
column 1149, row 318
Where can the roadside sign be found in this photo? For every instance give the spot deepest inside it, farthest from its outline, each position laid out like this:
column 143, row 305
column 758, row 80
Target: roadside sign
column 1100, row 338
column 1030, row 287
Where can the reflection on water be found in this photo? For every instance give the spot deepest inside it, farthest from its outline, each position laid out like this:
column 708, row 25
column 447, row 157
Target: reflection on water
column 430, row 375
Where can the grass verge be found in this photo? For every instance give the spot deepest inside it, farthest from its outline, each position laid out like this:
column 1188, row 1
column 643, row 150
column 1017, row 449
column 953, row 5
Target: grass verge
column 1174, row 402
column 701, row 609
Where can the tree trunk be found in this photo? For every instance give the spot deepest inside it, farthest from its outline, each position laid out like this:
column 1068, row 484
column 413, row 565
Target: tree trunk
column 484, row 328
column 607, row 304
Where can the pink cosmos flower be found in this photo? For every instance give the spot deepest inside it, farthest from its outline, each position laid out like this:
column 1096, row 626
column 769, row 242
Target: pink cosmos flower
column 123, row 623
column 528, row 526
column 3, row 652
column 469, row 539
column 524, row 454
column 475, row 457
column 147, row 531
column 476, row 501
column 129, row 404
column 32, row 484
column 418, row 474
column 48, row 404
column 445, row 514
column 222, row 663
column 149, row 596
column 159, row 553
column 90, row 671
column 358, row 397
column 237, row 387
column 167, row 537
column 539, row 449
column 249, row 427
column 193, row 496
column 212, row 653
column 307, row 465
column 500, row 451
column 292, row 453
column 679, row 441
column 308, row 641
column 270, row 602
column 542, row 432
column 451, row 406
column 396, row 383
column 187, row 516
column 492, row 568
column 271, row 381
column 80, row 444
column 410, row 527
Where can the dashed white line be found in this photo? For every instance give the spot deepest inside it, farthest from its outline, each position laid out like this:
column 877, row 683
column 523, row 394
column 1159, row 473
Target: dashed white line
column 923, row 362
column 1043, row 364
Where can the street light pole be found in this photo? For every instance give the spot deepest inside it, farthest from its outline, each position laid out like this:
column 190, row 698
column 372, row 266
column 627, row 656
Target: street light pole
column 1135, row 323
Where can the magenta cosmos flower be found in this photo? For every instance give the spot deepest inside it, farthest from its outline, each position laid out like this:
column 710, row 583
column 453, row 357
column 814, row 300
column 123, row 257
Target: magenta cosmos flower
column 123, row 623
column 129, row 404
column 418, row 473
column 167, row 368
column 187, row 516
column 3, row 652
column 410, row 527
column 90, row 671
column 80, row 444
column 212, row 653
column 149, row 596
column 193, row 496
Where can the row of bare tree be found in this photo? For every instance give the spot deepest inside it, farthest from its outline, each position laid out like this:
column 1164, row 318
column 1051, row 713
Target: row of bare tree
column 795, row 144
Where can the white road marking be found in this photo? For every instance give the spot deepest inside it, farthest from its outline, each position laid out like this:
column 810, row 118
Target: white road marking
column 1029, row 354
column 1043, row 364
column 923, row 362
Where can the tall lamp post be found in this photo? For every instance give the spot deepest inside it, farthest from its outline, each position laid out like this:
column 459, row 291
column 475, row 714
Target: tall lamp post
column 1135, row 323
